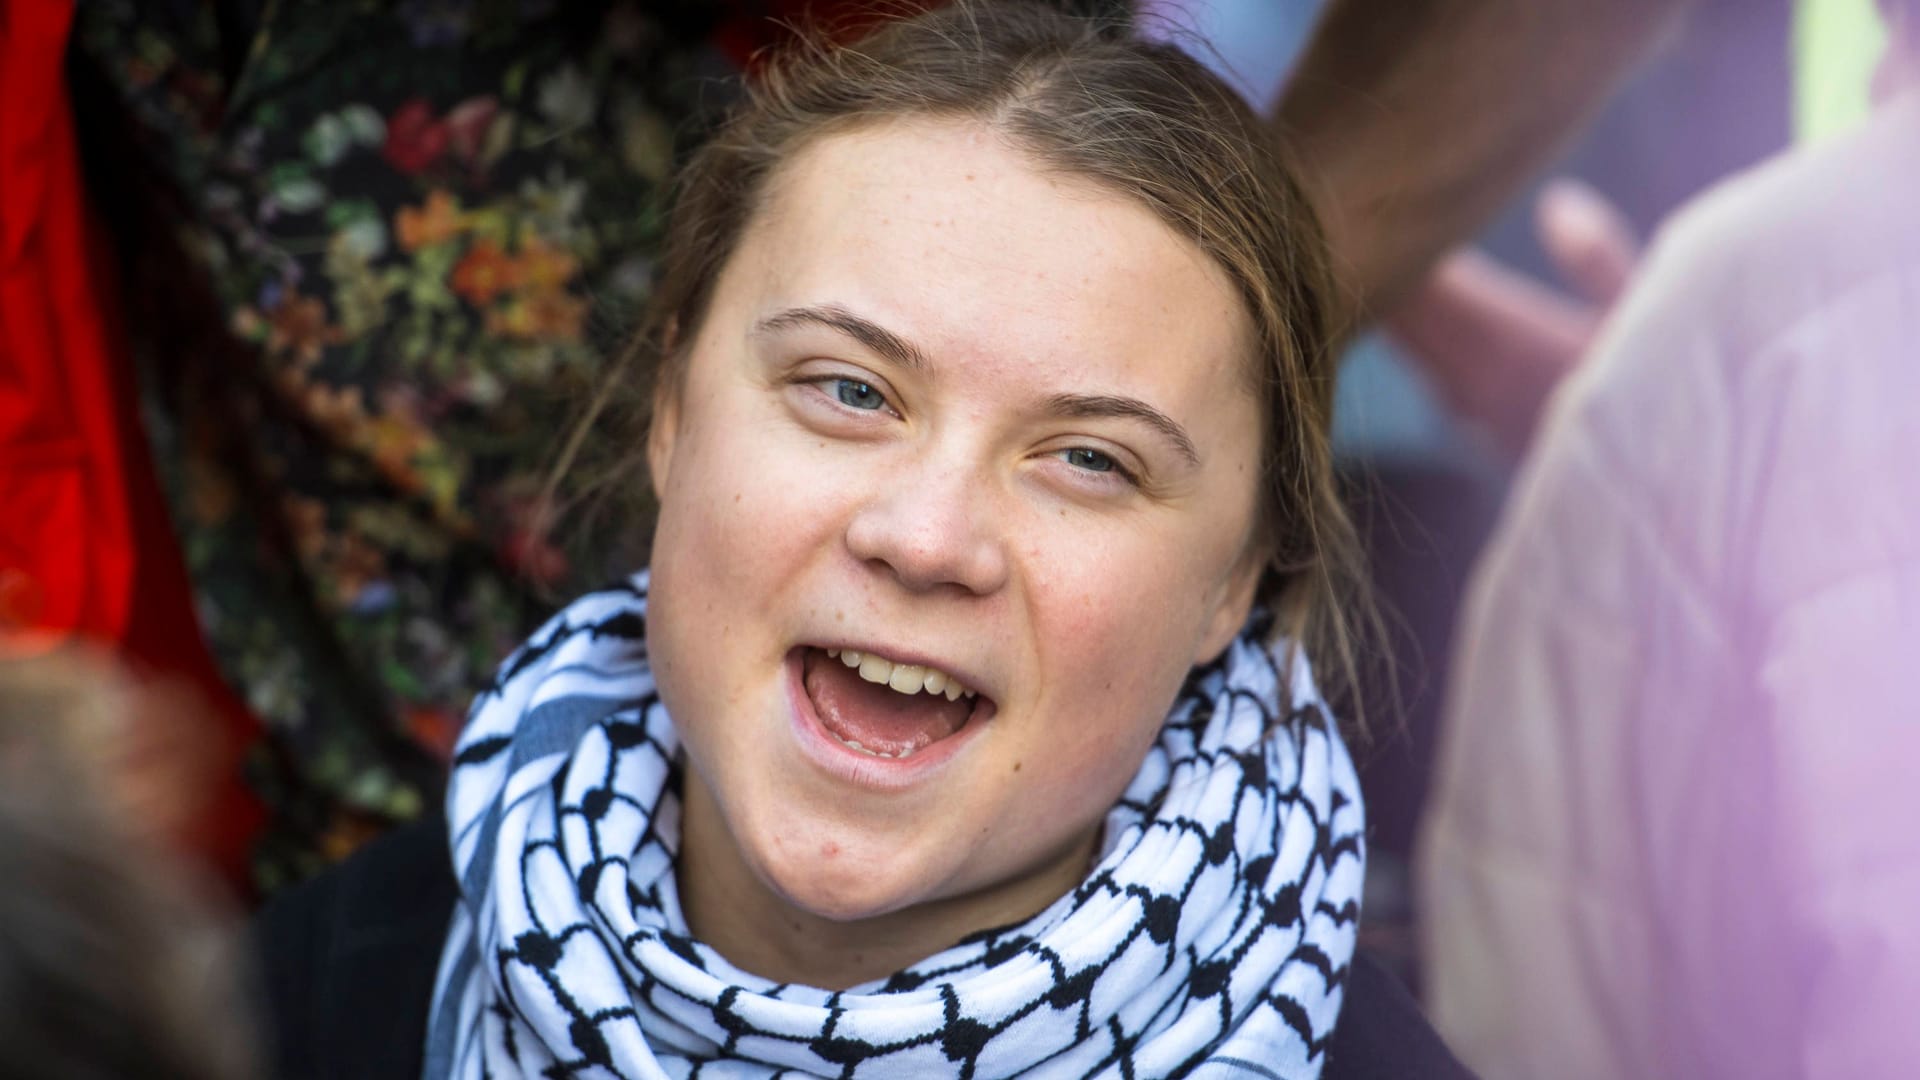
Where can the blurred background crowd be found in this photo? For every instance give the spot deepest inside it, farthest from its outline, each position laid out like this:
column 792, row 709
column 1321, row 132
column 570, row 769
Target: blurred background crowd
column 294, row 298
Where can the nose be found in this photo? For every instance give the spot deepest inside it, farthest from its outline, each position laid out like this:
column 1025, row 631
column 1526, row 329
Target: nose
column 933, row 527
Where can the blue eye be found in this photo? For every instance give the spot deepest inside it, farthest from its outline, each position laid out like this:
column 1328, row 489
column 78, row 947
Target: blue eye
column 855, row 394
column 1091, row 460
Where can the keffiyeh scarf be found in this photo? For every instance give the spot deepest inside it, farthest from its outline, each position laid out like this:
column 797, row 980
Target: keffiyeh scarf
column 1214, row 929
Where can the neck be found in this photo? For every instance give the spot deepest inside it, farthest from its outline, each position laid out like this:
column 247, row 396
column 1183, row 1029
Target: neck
column 731, row 908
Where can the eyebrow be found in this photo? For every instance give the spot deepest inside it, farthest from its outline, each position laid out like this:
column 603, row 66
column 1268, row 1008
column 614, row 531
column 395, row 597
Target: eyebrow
column 867, row 332
column 1090, row 405
column 903, row 352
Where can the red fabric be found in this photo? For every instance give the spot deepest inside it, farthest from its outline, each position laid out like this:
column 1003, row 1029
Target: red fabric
column 753, row 28
column 86, row 548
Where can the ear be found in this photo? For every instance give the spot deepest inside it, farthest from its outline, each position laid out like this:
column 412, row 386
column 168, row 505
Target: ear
column 1232, row 603
column 665, row 428
column 660, row 439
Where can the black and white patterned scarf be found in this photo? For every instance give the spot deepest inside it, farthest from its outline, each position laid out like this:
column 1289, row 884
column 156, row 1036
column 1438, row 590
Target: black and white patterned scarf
column 1215, row 929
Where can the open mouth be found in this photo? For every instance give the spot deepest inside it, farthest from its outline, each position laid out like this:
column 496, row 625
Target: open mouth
column 876, row 707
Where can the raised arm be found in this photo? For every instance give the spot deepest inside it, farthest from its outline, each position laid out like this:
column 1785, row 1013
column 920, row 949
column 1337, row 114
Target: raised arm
column 1416, row 119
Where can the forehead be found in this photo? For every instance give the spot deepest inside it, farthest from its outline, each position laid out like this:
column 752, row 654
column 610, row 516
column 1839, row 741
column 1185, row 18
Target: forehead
column 946, row 233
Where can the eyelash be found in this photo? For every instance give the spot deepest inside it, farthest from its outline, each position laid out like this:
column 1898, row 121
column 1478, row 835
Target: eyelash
column 823, row 383
column 1114, row 465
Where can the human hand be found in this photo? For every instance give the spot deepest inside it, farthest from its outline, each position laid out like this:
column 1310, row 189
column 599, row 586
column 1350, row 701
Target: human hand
column 84, row 733
column 1494, row 341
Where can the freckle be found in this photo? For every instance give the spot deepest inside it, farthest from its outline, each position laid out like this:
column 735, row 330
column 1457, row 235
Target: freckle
column 969, row 176
column 839, row 616
column 1016, row 766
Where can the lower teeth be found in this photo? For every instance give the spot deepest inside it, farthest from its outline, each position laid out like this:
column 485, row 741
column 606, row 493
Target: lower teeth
column 855, row 744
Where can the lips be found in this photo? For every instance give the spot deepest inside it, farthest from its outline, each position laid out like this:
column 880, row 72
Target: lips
column 873, row 718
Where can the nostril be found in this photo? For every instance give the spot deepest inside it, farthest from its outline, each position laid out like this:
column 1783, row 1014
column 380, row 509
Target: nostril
column 929, row 535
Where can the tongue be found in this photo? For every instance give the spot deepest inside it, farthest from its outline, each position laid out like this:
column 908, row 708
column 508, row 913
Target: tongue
column 880, row 719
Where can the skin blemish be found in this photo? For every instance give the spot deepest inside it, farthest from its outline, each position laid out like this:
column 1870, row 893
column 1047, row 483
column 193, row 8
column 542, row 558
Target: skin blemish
column 829, row 850
column 1016, row 766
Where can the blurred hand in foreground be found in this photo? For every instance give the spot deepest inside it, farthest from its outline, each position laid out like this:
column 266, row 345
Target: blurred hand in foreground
column 115, row 959
column 133, row 748
column 1494, row 341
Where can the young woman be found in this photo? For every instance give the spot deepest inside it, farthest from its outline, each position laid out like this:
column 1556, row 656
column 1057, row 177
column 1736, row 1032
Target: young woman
column 962, row 725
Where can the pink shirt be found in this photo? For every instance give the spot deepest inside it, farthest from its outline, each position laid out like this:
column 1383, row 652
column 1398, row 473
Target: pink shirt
column 1676, row 830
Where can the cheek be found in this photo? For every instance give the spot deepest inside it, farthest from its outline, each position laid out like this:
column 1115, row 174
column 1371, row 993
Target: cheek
column 739, row 505
column 1115, row 628
column 740, row 523
column 1122, row 606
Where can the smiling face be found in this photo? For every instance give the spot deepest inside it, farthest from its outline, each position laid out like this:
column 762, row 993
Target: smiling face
column 950, row 412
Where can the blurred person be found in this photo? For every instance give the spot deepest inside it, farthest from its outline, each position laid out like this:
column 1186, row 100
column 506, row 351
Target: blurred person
column 1492, row 331
column 1672, row 834
column 1508, row 82
column 1496, row 327
column 112, row 962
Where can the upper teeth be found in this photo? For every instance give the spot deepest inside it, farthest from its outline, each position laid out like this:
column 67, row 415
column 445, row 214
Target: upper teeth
column 906, row 678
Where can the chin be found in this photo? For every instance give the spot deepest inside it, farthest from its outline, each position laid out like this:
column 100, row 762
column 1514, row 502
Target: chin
column 843, row 901
column 832, row 880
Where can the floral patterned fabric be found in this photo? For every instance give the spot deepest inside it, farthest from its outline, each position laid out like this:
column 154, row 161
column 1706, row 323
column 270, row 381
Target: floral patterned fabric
column 421, row 225
column 428, row 221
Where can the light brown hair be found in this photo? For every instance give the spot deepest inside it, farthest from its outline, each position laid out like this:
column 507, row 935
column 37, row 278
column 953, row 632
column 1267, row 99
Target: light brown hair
column 1090, row 99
